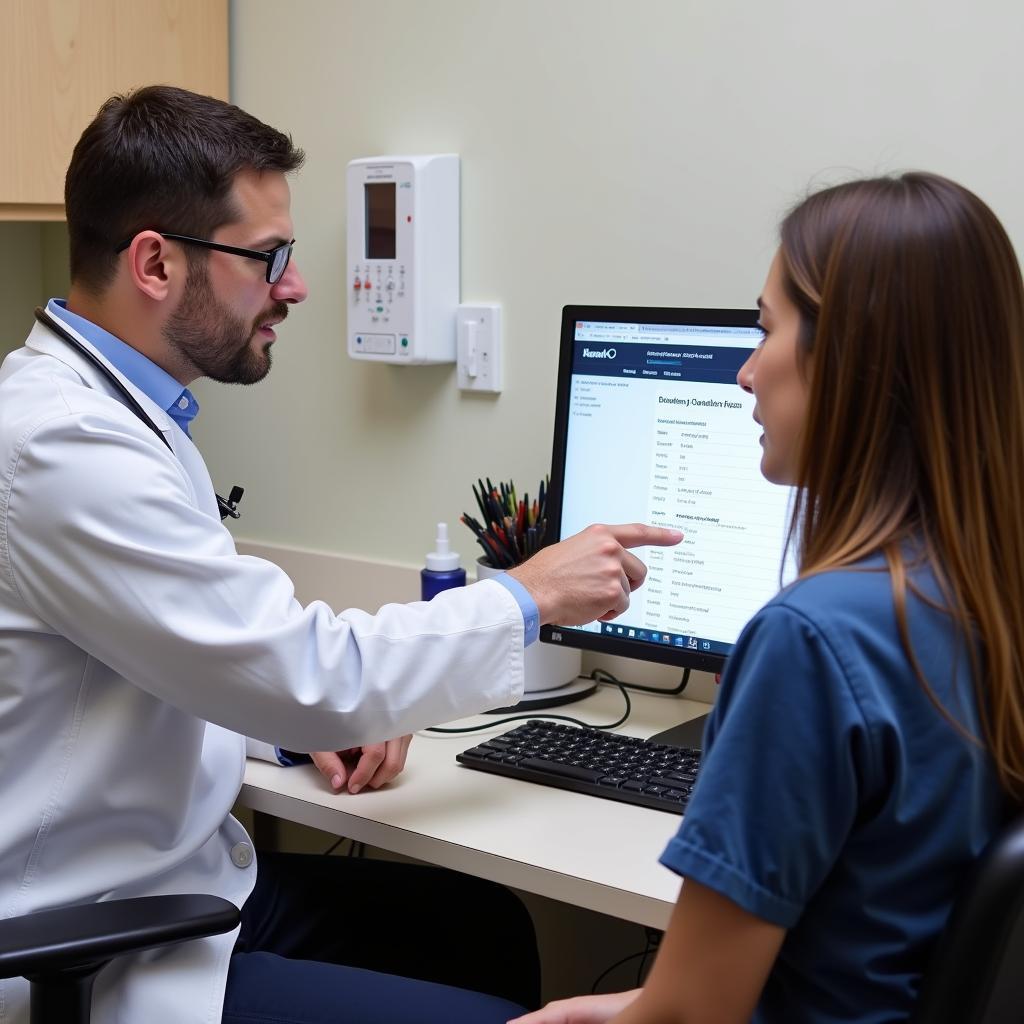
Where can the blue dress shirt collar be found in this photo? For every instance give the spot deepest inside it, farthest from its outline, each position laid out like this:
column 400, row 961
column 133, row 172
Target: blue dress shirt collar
column 179, row 403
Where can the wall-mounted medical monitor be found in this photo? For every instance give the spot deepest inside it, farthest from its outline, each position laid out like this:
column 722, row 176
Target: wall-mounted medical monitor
column 651, row 426
column 402, row 243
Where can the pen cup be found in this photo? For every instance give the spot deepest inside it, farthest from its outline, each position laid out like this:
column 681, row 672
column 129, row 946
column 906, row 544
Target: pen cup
column 545, row 666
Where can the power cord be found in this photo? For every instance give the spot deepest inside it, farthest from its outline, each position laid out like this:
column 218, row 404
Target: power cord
column 558, row 718
column 354, row 850
column 599, row 675
column 651, row 944
column 618, row 963
column 674, row 691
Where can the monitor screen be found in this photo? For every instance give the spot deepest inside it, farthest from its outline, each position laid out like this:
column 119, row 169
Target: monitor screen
column 381, row 230
column 652, row 427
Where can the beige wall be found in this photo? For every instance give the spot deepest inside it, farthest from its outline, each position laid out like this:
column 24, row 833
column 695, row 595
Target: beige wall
column 634, row 153
column 33, row 268
column 21, row 281
column 611, row 152
column 53, row 239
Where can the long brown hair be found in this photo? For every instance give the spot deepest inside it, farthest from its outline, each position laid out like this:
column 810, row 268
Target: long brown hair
column 912, row 310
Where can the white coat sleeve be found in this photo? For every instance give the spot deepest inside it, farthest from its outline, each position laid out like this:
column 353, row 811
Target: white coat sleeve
column 104, row 542
column 262, row 750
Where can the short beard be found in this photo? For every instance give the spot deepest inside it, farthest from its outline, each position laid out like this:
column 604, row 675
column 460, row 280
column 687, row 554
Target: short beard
column 216, row 343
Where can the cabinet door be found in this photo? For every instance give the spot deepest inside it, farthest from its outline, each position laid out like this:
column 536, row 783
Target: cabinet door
column 60, row 59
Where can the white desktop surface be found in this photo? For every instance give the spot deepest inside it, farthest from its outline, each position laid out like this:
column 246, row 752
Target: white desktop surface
column 576, row 848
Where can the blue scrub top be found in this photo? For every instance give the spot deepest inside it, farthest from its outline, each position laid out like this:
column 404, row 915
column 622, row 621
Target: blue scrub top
column 835, row 799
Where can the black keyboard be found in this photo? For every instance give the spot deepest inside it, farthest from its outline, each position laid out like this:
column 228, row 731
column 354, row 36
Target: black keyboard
column 591, row 761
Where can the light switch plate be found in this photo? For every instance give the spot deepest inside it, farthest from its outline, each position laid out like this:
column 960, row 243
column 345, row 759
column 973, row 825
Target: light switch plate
column 478, row 336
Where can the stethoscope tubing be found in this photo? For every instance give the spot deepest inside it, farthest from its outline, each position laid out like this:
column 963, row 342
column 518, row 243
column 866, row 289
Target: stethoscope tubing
column 54, row 325
column 226, row 508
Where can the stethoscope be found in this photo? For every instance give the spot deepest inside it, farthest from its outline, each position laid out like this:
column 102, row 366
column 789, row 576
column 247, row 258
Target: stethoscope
column 227, row 506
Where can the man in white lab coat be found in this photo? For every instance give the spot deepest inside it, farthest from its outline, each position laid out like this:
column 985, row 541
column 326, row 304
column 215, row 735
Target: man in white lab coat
column 137, row 647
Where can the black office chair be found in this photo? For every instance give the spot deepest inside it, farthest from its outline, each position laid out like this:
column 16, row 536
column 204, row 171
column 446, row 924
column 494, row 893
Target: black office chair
column 60, row 952
column 976, row 973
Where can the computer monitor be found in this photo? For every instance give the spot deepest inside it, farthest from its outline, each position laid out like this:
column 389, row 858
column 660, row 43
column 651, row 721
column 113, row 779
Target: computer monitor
column 651, row 426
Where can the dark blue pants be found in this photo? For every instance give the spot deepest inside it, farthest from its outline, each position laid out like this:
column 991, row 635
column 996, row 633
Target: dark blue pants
column 346, row 940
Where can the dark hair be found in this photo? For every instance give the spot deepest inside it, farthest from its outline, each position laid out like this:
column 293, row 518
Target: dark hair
column 912, row 310
column 160, row 158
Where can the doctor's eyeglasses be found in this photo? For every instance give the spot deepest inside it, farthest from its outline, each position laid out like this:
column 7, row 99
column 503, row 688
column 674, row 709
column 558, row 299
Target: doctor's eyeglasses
column 276, row 259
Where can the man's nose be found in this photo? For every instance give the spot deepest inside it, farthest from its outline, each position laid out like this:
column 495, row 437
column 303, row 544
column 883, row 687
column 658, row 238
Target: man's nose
column 291, row 287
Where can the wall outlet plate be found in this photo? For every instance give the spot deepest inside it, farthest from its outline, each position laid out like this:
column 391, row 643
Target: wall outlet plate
column 478, row 339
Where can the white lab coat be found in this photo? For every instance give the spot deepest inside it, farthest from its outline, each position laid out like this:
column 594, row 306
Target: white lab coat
column 137, row 648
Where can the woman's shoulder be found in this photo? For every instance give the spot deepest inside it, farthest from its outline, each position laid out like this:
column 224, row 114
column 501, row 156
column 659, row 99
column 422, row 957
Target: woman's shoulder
column 865, row 581
column 857, row 602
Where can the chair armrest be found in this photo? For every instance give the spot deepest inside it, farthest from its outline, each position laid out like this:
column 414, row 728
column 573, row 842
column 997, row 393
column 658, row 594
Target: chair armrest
column 58, row 940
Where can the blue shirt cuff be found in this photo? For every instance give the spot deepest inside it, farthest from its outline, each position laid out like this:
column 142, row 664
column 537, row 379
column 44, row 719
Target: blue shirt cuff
column 531, row 613
column 290, row 759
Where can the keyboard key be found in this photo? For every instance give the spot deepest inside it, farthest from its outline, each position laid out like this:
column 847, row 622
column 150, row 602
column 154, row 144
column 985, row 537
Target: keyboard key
column 671, row 780
column 569, row 771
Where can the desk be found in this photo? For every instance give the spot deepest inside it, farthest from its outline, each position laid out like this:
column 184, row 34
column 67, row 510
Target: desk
column 579, row 849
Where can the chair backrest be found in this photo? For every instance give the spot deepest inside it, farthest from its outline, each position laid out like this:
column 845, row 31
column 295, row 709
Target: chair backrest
column 976, row 974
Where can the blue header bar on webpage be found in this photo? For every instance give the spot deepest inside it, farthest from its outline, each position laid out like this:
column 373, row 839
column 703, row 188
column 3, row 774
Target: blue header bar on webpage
column 654, row 361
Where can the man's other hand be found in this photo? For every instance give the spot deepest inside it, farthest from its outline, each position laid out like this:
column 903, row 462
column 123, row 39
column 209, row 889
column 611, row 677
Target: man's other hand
column 374, row 765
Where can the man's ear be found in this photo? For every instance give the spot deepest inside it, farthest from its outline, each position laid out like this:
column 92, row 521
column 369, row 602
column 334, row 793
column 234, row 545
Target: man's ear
column 156, row 268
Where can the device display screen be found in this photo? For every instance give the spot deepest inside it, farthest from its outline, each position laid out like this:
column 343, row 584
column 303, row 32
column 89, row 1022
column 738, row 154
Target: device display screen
column 380, row 221
column 658, row 405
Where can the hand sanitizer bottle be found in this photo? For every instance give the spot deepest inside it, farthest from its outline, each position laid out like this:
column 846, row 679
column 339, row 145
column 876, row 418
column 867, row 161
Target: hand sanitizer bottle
column 443, row 570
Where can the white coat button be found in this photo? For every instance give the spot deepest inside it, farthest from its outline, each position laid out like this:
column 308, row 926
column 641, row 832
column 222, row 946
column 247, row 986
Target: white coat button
column 241, row 855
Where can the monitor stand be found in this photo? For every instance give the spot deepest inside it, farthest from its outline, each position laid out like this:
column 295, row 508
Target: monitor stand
column 535, row 700
column 687, row 734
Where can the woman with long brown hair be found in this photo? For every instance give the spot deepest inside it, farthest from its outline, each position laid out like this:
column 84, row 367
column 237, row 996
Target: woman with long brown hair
column 868, row 740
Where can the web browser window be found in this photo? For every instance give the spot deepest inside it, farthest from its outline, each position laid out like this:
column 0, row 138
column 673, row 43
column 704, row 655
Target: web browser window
column 660, row 432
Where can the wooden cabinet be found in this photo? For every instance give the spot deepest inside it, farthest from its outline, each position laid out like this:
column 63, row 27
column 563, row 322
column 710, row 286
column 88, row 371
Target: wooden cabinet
column 60, row 59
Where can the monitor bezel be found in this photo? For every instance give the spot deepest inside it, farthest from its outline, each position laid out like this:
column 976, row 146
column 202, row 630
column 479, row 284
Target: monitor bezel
column 601, row 643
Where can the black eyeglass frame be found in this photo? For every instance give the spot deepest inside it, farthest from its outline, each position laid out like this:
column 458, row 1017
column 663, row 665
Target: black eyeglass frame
column 270, row 258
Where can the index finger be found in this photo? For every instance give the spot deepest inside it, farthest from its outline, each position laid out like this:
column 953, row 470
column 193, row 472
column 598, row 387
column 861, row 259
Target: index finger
column 637, row 535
